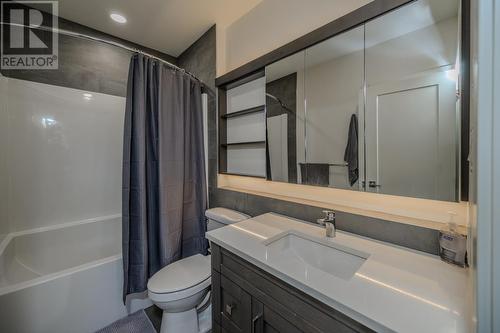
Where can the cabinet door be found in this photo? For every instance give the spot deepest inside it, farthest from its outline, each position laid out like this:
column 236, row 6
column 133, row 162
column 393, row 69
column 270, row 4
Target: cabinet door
column 265, row 320
column 234, row 307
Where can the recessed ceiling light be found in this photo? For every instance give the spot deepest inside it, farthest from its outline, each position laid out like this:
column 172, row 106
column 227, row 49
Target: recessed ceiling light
column 118, row 18
column 87, row 96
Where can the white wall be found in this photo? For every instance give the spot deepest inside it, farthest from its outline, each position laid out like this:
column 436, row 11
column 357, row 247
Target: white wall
column 472, row 236
column 486, row 83
column 4, row 184
column 273, row 23
column 406, row 55
column 64, row 154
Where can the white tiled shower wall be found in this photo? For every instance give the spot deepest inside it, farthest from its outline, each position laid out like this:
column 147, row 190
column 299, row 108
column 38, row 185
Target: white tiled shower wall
column 60, row 155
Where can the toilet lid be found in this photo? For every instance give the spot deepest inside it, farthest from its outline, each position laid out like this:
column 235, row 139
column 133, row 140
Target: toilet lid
column 180, row 275
column 225, row 216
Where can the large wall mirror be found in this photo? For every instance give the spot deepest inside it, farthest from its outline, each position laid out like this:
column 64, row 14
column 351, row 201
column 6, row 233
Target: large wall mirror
column 375, row 108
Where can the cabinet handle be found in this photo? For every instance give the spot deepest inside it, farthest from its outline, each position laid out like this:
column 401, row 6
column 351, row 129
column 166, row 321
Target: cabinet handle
column 229, row 309
column 254, row 320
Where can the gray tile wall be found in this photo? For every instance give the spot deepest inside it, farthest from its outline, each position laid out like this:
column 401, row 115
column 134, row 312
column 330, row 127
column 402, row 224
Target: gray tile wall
column 200, row 60
column 88, row 65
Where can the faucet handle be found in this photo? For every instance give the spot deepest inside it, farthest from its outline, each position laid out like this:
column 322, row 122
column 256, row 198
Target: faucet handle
column 329, row 215
column 329, row 223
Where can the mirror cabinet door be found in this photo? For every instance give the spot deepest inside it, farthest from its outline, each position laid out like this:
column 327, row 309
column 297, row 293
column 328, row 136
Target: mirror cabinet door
column 333, row 90
column 412, row 109
column 285, row 118
column 375, row 108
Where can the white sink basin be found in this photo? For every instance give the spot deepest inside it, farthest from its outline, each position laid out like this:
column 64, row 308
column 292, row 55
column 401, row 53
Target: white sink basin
column 298, row 251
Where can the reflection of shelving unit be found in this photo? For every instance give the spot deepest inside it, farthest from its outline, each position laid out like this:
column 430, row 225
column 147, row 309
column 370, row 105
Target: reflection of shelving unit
column 249, row 143
column 242, row 127
column 255, row 109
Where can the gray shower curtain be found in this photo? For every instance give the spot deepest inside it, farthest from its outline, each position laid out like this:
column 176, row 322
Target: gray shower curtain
column 164, row 189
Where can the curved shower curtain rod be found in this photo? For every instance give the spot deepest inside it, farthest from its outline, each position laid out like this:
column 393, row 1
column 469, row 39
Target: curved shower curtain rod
column 110, row 42
column 283, row 105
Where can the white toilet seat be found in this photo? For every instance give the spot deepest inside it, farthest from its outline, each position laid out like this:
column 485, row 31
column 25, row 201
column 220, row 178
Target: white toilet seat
column 181, row 279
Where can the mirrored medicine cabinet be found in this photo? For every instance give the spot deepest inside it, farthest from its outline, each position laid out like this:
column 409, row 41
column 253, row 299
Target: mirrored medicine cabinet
column 376, row 108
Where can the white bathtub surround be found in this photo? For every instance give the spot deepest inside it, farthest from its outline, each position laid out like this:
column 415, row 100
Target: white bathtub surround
column 64, row 278
column 60, row 161
column 28, row 255
column 63, row 154
column 391, row 288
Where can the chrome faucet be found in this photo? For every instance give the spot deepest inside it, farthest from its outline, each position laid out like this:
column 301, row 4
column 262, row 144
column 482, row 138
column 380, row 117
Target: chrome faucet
column 329, row 223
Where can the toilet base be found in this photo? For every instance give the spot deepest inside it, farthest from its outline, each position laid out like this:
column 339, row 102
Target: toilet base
column 186, row 322
column 205, row 320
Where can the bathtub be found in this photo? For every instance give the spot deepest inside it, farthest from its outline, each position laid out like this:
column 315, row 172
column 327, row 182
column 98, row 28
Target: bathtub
column 65, row 278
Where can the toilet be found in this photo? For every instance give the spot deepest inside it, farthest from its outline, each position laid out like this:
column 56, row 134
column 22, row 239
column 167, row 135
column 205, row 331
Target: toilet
column 181, row 289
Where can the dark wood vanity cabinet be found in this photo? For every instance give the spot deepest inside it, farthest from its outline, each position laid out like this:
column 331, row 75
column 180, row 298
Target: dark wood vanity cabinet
column 245, row 299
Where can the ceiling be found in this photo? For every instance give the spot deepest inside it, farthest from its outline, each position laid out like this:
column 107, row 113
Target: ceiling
column 169, row 26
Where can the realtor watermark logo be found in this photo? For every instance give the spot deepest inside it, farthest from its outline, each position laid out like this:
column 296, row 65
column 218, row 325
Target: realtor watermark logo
column 29, row 35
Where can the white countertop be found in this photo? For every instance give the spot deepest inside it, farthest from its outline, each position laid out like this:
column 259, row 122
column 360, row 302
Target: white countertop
column 395, row 289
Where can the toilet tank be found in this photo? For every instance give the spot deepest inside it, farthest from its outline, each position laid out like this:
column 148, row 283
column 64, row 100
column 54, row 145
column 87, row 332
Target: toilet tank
column 219, row 217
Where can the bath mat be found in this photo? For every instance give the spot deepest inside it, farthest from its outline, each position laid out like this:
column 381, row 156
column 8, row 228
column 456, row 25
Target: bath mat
column 137, row 322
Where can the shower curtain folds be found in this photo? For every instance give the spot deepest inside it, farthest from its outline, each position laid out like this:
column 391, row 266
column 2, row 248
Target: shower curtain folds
column 164, row 189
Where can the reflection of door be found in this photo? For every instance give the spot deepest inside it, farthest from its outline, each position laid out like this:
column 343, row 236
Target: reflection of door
column 411, row 145
column 277, row 140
